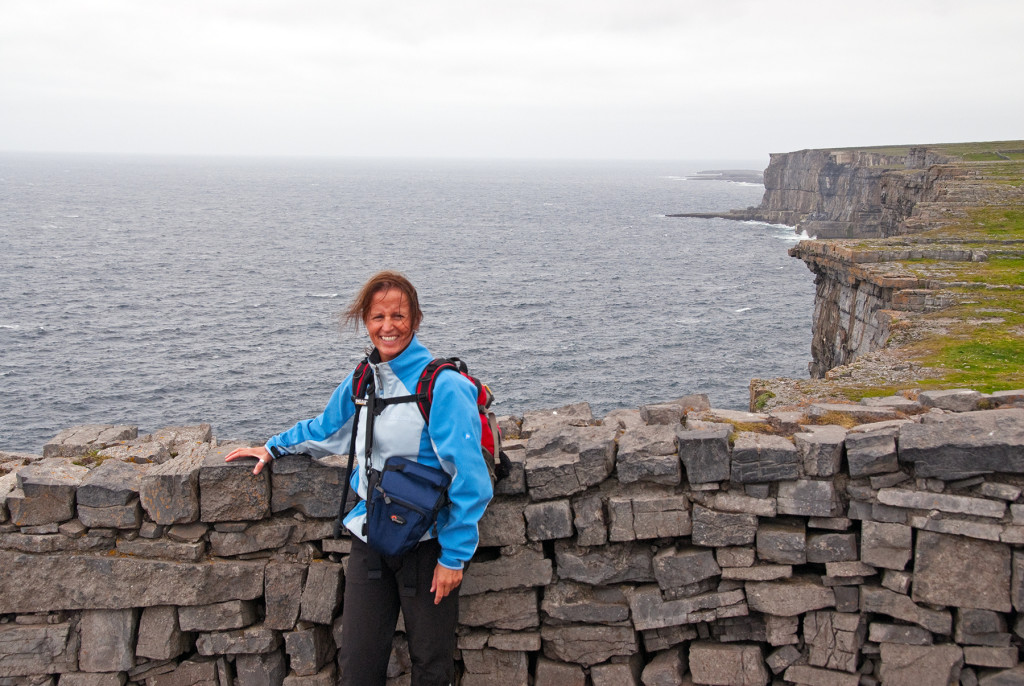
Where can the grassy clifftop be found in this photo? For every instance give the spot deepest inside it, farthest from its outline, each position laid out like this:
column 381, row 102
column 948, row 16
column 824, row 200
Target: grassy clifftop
column 956, row 275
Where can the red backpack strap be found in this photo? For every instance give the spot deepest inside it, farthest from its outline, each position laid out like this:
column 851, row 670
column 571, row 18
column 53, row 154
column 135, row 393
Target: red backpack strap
column 425, row 386
column 360, row 378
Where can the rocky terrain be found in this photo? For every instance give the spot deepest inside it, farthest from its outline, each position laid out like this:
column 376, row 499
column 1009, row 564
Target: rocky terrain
column 918, row 264
column 845, row 545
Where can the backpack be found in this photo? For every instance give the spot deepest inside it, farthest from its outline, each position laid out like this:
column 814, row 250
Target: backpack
column 498, row 463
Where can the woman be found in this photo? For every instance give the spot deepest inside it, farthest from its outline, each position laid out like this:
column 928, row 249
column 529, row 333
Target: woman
column 423, row 582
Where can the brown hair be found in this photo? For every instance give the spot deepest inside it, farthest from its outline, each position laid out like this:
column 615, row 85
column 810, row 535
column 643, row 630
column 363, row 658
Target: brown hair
column 382, row 282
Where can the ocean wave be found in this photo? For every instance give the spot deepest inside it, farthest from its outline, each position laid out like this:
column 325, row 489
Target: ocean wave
column 323, row 295
column 743, row 309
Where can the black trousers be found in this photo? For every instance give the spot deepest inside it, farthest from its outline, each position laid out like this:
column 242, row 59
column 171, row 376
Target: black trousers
column 376, row 588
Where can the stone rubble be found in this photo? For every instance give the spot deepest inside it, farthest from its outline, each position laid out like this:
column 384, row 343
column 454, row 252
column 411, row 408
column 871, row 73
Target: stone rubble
column 669, row 545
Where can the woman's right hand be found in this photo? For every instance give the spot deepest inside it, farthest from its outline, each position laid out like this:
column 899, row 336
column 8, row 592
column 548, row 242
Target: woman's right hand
column 260, row 453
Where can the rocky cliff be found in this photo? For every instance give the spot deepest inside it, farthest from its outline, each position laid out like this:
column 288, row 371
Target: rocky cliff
column 931, row 222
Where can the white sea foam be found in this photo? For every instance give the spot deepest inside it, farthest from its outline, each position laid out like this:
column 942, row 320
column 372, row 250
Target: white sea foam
column 744, row 309
column 323, row 295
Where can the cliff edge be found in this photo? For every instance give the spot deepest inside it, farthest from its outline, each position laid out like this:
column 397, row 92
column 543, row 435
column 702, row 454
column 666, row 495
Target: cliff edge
column 919, row 266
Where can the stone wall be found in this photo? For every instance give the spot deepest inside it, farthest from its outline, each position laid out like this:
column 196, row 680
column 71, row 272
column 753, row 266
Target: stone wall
column 667, row 545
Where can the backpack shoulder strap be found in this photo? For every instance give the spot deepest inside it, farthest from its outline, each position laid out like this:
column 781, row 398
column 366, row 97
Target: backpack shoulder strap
column 425, row 386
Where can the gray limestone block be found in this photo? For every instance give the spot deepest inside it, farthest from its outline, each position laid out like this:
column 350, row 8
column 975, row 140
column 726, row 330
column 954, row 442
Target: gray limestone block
column 503, row 523
column 732, row 665
column 42, row 583
column 874, row 452
column 959, row 446
column 110, row 484
column 283, row 594
column 806, row 675
column 879, row 632
column 619, row 671
column 79, row 440
column 231, row 614
column 321, row 596
column 576, row 414
column 128, row 516
column 588, row 645
column 517, row 567
column 528, row 641
column 589, row 520
column 808, row 498
column 265, row 535
column 492, row 667
column 783, row 541
column 162, row 549
column 254, row 639
column 94, row 679
column 789, row 597
column 657, row 469
column 897, row 402
column 1003, row 677
column 623, row 420
column 650, row 609
column 859, row 413
column 662, row 414
column 980, row 627
column 309, row 650
column 178, row 438
column 739, row 556
column 548, row 520
column 47, row 492
column 886, row 545
column 620, row 519
column 569, row 602
column 898, row 606
column 677, row 566
column 781, row 630
column 835, row 639
column 669, row 637
column 170, row 491
column 961, row 572
column 944, row 502
column 832, row 547
column 38, row 649
column 196, row 671
column 138, row 451
column 782, row 658
column 558, row 673
column 312, row 487
column 705, row 454
column 666, row 668
column 229, row 491
column 515, row 482
column 328, row 676
column 734, row 501
column 261, row 669
column 750, row 628
column 991, row 656
column 563, row 460
column 513, row 610
column 661, row 516
column 160, row 637
column 719, row 529
column 953, row 399
column 760, row 458
column 8, row 483
column 108, row 640
column 821, row 448
column 611, row 564
column 920, row 665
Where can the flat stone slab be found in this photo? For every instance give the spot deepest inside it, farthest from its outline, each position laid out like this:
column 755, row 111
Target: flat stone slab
column 961, row 572
column 110, row 484
column 958, row 446
column 45, row 583
column 760, row 458
column 79, row 440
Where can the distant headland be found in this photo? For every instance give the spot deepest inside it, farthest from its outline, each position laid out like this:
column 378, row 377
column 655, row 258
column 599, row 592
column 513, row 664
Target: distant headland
column 920, row 281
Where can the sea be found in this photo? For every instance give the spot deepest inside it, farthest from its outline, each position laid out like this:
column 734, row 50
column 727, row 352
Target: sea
column 162, row 291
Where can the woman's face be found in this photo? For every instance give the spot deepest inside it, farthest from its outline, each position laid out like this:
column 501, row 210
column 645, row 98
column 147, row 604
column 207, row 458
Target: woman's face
column 389, row 323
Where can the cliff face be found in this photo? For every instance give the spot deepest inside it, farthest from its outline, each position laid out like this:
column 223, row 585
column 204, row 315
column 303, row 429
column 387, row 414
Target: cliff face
column 893, row 197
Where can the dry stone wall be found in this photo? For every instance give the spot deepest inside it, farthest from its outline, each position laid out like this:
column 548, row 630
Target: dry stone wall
column 665, row 545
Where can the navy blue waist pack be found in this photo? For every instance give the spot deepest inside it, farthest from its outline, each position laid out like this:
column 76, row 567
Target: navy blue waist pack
column 403, row 501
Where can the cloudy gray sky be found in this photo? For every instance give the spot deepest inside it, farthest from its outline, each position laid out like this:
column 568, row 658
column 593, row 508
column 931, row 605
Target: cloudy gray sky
column 643, row 79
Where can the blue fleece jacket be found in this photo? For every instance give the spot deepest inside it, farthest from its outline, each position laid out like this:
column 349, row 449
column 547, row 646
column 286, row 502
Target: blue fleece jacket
column 451, row 441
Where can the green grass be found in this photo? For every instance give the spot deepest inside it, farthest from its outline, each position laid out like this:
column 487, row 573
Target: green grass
column 985, row 365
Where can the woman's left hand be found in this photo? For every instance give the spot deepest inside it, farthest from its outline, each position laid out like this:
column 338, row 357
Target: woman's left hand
column 445, row 581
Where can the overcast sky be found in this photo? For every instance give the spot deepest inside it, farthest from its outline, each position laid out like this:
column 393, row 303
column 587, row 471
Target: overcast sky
column 634, row 79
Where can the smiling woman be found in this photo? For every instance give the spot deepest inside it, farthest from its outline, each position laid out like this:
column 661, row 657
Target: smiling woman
column 382, row 579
